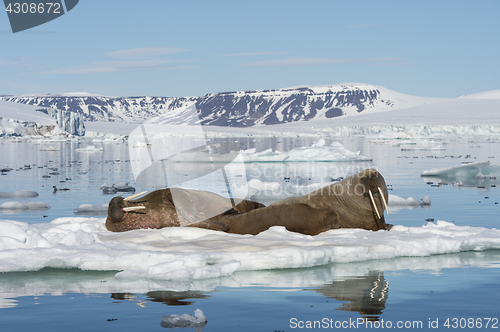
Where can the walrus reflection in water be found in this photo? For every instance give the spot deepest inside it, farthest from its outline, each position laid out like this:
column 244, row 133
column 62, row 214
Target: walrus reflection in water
column 358, row 201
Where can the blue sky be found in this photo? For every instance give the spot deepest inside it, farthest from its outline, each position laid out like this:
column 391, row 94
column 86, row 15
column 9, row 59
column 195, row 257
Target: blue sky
column 191, row 48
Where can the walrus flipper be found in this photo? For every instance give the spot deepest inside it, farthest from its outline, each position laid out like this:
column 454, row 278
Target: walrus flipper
column 300, row 218
column 215, row 225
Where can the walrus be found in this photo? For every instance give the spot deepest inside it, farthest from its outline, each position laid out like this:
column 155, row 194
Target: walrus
column 358, row 201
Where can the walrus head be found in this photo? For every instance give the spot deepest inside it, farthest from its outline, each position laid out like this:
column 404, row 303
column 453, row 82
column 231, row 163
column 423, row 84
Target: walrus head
column 368, row 196
column 359, row 200
column 154, row 210
column 115, row 209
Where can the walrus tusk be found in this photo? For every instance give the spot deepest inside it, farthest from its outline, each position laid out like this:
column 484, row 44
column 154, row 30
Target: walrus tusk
column 134, row 196
column 133, row 208
column 383, row 200
column 373, row 202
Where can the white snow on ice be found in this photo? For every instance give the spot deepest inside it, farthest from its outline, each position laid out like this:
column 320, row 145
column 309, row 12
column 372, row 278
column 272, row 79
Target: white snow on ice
column 179, row 253
column 493, row 94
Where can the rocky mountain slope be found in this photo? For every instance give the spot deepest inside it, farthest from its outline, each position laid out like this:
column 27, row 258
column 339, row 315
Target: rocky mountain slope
column 233, row 109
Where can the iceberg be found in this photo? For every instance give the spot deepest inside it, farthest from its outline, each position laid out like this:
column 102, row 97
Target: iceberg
column 26, row 120
column 467, row 174
column 70, row 122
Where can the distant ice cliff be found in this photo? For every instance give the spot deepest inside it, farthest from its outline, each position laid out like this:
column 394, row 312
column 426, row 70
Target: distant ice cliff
column 24, row 120
column 70, row 122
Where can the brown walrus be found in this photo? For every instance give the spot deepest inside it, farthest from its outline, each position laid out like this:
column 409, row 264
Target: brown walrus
column 358, row 201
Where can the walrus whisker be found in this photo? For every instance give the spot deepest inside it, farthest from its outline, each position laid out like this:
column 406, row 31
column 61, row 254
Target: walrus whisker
column 373, row 202
column 383, row 200
column 133, row 208
column 134, row 196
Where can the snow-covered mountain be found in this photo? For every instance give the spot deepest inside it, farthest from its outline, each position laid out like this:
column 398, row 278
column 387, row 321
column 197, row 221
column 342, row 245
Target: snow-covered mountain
column 102, row 108
column 234, row 109
column 493, row 94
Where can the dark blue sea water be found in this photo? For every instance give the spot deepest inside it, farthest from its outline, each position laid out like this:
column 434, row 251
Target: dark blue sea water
column 442, row 292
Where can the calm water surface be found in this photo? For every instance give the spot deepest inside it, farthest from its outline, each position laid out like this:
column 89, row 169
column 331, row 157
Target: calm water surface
column 418, row 293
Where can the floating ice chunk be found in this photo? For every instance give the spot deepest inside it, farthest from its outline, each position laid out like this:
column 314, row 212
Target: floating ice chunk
column 317, row 152
column 123, row 186
column 107, row 189
column 19, row 194
column 49, row 148
column 89, row 210
column 453, row 171
column 408, row 203
column 24, row 206
column 90, row 148
column 185, row 321
column 468, row 174
column 114, row 188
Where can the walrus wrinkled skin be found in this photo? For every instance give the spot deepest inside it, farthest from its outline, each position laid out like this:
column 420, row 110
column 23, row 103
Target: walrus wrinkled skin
column 345, row 204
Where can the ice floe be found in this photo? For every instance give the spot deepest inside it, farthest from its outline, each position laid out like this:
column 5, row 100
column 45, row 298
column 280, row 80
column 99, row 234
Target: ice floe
column 396, row 202
column 91, row 210
column 467, row 174
column 116, row 187
column 185, row 321
column 24, row 206
column 90, row 148
column 319, row 151
column 20, row 194
column 194, row 254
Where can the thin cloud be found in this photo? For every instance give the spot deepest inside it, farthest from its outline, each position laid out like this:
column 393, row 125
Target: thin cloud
column 135, row 59
column 20, row 63
column 293, row 62
column 4, row 62
column 253, row 53
column 117, row 66
column 145, row 52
